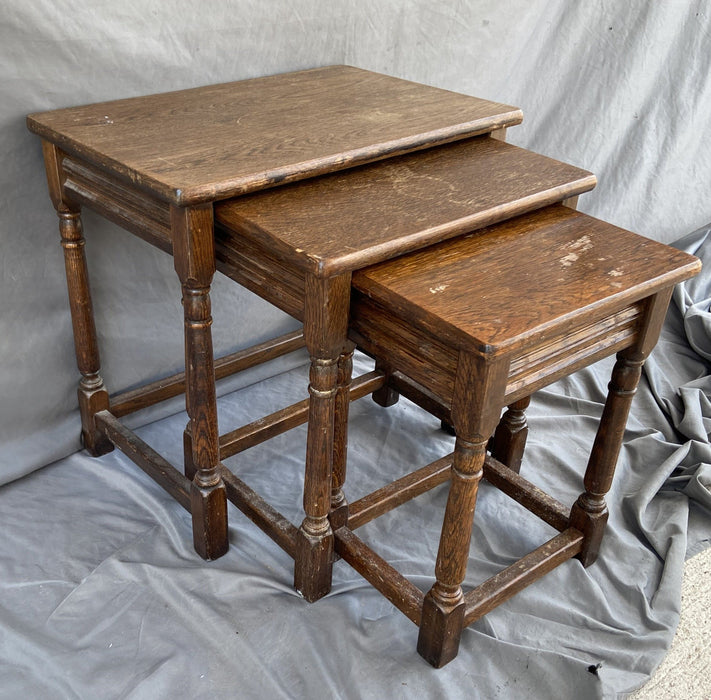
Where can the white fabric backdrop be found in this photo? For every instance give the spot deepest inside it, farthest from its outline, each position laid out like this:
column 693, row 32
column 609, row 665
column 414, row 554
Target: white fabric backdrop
column 621, row 89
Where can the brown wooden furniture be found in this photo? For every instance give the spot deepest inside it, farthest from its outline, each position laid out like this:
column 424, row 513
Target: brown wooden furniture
column 297, row 247
column 156, row 165
column 184, row 171
column 480, row 322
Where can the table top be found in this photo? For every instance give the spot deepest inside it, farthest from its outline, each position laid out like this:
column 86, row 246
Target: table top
column 514, row 282
column 218, row 141
column 348, row 220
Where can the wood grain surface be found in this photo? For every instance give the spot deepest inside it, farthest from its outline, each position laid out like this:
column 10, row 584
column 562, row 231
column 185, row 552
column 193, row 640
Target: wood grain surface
column 504, row 284
column 218, row 141
column 356, row 218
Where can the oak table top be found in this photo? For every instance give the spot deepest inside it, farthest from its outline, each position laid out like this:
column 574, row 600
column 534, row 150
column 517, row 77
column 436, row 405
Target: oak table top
column 209, row 143
column 534, row 272
column 349, row 220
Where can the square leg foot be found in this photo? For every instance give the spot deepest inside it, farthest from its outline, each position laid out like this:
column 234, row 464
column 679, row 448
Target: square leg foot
column 209, row 510
column 592, row 525
column 90, row 403
column 313, row 565
column 440, row 631
column 96, row 443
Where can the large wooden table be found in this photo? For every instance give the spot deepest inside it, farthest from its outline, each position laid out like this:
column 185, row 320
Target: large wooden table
column 182, row 170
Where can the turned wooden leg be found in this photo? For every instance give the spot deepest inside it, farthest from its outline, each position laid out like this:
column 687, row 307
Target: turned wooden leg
column 339, row 505
column 510, row 437
column 325, row 326
column 589, row 513
column 477, row 401
column 313, row 564
column 195, row 264
column 93, row 396
column 386, row 396
column 443, row 608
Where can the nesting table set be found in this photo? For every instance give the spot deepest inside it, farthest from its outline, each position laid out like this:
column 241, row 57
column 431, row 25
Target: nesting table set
column 388, row 216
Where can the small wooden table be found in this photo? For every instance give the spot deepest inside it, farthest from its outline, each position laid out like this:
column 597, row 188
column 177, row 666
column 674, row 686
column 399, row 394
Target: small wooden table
column 167, row 167
column 516, row 306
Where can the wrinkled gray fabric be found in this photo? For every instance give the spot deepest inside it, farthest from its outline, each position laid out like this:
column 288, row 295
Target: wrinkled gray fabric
column 678, row 373
column 101, row 594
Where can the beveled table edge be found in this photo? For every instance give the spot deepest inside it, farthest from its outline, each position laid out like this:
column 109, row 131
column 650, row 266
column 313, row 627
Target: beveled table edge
column 264, row 179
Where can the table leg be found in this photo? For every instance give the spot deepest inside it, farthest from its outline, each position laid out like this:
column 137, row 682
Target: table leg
column 339, row 505
column 325, row 328
column 510, row 437
column 194, row 258
column 189, row 468
column 589, row 513
column 93, row 396
column 476, row 405
column 386, row 396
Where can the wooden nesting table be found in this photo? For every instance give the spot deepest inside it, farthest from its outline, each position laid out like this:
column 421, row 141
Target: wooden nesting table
column 298, row 247
column 162, row 166
column 388, row 168
column 209, row 175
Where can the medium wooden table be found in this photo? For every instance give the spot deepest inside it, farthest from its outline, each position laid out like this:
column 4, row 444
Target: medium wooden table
column 167, row 166
column 298, row 247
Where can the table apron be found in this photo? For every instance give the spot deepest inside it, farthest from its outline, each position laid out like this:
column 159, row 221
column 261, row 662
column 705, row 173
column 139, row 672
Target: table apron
column 128, row 206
